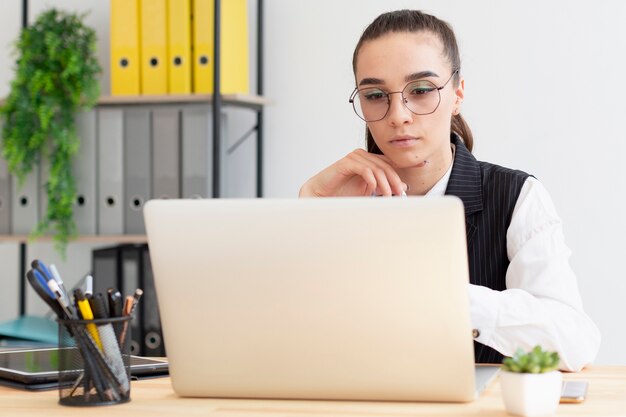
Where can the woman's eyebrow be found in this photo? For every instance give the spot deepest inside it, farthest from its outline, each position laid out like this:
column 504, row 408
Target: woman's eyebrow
column 371, row 81
column 420, row 74
column 408, row 78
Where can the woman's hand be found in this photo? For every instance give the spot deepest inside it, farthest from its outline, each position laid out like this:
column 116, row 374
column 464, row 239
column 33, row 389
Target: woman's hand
column 359, row 173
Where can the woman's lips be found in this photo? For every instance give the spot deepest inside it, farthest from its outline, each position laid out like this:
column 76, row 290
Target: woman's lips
column 403, row 142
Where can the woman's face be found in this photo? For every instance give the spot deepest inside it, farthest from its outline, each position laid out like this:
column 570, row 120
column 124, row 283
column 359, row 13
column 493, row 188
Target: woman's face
column 390, row 63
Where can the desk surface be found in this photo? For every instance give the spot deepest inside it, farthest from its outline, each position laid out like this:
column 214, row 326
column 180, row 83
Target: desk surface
column 155, row 397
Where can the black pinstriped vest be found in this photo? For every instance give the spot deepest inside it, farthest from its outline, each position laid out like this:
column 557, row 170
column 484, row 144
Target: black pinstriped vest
column 489, row 193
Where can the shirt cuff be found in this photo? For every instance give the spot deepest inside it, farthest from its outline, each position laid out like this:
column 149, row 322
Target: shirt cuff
column 484, row 306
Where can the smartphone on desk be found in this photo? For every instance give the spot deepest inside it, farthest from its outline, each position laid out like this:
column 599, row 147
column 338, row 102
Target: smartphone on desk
column 574, row 391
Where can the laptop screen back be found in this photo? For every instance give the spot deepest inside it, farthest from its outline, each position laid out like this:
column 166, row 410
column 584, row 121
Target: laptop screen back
column 342, row 298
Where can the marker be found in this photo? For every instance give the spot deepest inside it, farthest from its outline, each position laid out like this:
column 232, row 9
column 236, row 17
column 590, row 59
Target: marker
column 57, row 278
column 88, row 286
column 87, row 314
column 54, row 287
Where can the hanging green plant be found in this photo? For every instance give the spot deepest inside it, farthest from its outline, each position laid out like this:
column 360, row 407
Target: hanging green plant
column 56, row 75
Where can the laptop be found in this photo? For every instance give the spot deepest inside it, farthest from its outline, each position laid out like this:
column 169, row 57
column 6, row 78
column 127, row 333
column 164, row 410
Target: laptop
column 335, row 298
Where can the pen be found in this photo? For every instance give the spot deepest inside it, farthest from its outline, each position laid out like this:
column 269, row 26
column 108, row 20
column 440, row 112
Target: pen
column 115, row 302
column 87, row 314
column 88, row 286
column 57, row 278
column 54, row 287
column 111, row 348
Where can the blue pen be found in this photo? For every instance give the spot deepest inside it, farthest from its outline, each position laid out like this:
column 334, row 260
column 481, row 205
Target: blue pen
column 43, row 282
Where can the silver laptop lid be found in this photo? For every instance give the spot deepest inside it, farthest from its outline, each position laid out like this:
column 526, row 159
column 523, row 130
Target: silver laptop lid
column 342, row 298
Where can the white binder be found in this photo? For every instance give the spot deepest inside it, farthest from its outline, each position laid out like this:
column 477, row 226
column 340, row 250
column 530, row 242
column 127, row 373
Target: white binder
column 84, row 169
column 137, row 168
column 110, row 171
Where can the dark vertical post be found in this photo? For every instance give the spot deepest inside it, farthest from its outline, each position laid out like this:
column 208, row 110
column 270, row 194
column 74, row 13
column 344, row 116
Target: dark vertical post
column 22, row 248
column 217, row 99
column 259, row 88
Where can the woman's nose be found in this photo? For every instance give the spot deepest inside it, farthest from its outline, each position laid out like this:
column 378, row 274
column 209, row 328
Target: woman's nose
column 398, row 111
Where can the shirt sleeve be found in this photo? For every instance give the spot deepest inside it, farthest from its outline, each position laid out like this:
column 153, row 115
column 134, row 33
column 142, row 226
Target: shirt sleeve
column 541, row 304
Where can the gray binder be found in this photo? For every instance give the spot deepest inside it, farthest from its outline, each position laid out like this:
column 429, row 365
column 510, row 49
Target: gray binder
column 42, row 193
column 5, row 197
column 137, row 168
column 166, row 153
column 25, row 203
column 110, row 189
column 84, row 170
column 197, row 152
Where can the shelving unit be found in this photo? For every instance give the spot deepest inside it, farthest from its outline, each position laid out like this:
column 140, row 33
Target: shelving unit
column 217, row 101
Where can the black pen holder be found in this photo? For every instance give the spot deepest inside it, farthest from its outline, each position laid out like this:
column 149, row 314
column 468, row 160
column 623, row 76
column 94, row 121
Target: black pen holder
column 94, row 361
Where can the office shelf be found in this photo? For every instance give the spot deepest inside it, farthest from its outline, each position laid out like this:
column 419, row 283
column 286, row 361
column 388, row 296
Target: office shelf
column 80, row 239
column 253, row 102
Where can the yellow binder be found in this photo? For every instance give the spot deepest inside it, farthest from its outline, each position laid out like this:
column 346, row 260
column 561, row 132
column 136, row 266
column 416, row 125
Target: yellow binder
column 179, row 46
column 124, row 37
column 234, row 46
column 154, row 46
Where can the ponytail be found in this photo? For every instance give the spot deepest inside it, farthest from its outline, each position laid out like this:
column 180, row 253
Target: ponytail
column 460, row 127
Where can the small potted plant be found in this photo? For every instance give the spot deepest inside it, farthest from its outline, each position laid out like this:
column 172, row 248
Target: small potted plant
column 531, row 383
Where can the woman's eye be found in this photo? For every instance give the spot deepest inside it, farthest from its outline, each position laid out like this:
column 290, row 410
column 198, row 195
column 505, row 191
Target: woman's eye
column 374, row 95
column 421, row 88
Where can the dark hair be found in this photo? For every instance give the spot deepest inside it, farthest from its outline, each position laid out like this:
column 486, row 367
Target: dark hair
column 416, row 21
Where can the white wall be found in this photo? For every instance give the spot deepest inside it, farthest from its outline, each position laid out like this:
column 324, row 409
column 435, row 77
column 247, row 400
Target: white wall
column 545, row 94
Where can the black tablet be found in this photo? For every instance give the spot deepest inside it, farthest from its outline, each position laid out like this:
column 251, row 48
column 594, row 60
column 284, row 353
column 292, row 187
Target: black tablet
column 37, row 369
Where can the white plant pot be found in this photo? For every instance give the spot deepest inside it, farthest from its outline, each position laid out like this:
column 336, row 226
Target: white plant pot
column 531, row 395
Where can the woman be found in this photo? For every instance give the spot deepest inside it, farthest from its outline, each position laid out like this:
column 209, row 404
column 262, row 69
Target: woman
column 409, row 90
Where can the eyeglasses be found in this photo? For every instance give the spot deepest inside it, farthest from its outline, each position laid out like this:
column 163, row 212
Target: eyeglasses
column 421, row 97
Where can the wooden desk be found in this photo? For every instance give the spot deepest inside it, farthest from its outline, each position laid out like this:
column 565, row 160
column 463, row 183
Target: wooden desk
column 606, row 397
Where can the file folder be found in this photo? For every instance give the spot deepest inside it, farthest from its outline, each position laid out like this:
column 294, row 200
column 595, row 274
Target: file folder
column 179, row 46
column 234, row 64
column 166, row 153
column 130, row 279
column 153, row 29
column 125, row 65
column 137, row 168
column 110, row 171
column 197, row 151
column 5, row 197
column 25, row 204
column 84, row 169
column 152, row 334
column 42, row 193
column 105, row 269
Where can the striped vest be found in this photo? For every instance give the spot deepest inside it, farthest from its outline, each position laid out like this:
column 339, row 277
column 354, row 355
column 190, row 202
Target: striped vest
column 489, row 193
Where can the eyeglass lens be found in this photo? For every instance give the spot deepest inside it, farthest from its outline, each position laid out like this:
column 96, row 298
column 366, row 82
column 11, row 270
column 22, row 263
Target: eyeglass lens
column 420, row 97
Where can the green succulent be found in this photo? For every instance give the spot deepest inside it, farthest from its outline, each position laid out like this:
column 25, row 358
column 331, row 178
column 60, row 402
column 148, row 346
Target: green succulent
column 537, row 361
column 56, row 75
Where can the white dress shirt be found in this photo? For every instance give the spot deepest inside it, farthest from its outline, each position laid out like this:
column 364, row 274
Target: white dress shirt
column 541, row 305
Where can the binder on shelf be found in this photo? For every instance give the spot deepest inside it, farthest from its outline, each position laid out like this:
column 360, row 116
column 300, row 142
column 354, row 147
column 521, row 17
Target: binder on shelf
column 179, row 46
column 25, row 203
column 197, row 151
column 42, row 192
column 153, row 40
column 110, row 189
column 130, row 279
column 105, row 269
column 152, row 334
column 84, row 169
column 124, row 37
column 5, row 197
column 234, row 62
column 166, row 153
column 137, row 168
